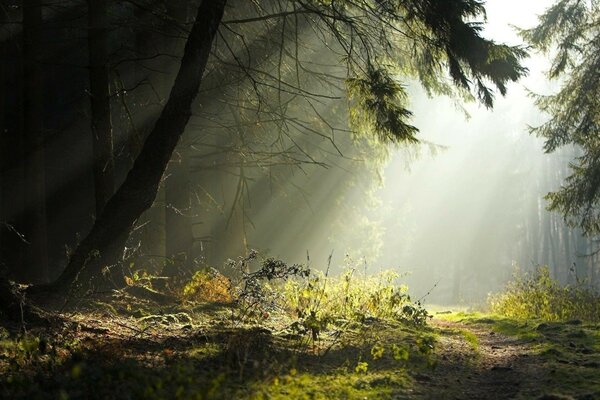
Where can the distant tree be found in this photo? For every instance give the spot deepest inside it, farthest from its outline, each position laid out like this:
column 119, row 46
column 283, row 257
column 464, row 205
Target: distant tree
column 36, row 262
column 103, row 245
column 179, row 238
column 103, row 164
column 377, row 41
column 570, row 31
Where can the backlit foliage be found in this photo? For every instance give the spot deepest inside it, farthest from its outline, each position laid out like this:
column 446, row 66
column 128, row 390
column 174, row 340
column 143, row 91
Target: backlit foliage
column 383, row 43
column 349, row 300
column 208, row 286
column 380, row 107
column 314, row 301
column 537, row 295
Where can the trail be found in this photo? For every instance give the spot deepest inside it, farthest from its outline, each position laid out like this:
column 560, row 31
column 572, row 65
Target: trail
column 478, row 363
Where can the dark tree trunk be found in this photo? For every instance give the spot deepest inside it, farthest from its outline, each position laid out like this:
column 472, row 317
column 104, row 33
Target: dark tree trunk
column 35, row 170
column 3, row 149
column 100, row 103
column 12, row 247
column 105, row 243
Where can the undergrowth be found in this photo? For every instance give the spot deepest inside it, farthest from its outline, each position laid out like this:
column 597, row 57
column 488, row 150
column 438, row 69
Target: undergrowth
column 537, row 295
column 266, row 330
column 315, row 300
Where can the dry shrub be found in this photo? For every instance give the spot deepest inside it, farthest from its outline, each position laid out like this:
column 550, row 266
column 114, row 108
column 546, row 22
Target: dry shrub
column 208, row 286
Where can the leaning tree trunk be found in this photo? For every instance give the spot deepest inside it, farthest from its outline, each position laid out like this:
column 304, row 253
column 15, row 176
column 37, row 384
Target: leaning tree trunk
column 106, row 241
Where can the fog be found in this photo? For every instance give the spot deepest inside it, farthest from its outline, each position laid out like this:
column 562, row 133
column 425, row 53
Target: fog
column 455, row 216
column 269, row 162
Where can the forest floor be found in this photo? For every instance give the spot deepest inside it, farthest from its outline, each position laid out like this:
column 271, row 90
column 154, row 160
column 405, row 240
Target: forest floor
column 490, row 357
column 130, row 349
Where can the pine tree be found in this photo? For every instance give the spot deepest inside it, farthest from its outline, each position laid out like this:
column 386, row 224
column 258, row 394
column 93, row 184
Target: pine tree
column 570, row 31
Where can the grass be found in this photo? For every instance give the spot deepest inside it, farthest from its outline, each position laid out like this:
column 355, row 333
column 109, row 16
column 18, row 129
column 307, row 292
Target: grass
column 567, row 353
column 303, row 337
column 538, row 295
column 273, row 333
column 210, row 363
column 340, row 385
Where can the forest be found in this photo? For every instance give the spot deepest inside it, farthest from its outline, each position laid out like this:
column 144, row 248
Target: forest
column 300, row 199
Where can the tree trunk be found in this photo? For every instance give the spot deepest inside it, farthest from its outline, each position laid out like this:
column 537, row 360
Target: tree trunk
column 3, row 149
column 35, row 174
column 12, row 247
column 103, row 165
column 106, row 241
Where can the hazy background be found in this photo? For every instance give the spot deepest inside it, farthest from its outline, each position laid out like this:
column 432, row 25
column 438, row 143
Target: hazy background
column 462, row 216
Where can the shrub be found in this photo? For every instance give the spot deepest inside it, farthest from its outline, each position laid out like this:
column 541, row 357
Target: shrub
column 322, row 301
column 313, row 299
column 208, row 285
column 537, row 295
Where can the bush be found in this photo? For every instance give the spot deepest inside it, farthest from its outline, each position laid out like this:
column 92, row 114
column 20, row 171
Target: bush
column 322, row 301
column 208, row 286
column 537, row 295
column 315, row 301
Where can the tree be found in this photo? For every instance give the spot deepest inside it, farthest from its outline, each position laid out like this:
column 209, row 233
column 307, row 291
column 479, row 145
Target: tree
column 178, row 221
column 103, row 164
column 571, row 30
column 3, row 150
column 106, row 241
column 377, row 42
column 33, row 126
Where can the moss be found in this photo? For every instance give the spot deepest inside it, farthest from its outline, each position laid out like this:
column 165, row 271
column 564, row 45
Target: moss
column 342, row 385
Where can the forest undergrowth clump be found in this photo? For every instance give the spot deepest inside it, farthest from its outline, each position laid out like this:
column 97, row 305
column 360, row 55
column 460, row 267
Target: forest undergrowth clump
column 314, row 300
column 349, row 300
column 537, row 295
column 262, row 329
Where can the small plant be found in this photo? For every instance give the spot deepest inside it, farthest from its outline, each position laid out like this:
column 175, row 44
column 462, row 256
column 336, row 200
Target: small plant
column 255, row 293
column 339, row 300
column 208, row 285
column 361, row 368
column 538, row 295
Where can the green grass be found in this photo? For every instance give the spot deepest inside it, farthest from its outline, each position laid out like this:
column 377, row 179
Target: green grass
column 322, row 337
column 568, row 353
column 537, row 295
column 341, row 385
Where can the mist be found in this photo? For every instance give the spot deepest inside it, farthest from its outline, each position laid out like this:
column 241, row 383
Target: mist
column 285, row 199
column 455, row 215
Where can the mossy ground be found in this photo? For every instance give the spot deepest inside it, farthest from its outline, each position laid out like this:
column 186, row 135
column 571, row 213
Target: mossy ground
column 134, row 350
column 560, row 358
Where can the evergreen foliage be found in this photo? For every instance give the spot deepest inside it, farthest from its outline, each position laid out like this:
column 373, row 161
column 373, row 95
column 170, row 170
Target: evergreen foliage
column 570, row 29
column 430, row 41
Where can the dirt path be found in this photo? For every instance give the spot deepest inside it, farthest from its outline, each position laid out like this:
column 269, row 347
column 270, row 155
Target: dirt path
column 478, row 363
